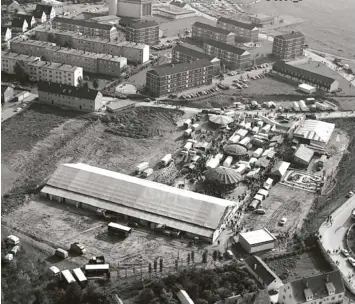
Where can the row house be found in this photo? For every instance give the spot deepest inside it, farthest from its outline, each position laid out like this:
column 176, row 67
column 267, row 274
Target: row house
column 143, row 31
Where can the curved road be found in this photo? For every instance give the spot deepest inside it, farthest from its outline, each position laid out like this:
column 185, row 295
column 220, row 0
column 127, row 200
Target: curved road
column 333, row 238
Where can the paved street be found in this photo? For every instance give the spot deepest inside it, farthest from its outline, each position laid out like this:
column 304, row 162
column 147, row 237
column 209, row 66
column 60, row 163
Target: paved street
column 8, row 109
column 333, row 237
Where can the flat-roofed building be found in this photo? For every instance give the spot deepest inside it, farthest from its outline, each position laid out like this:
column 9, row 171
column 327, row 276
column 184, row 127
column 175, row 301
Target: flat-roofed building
column 42, row 70
column 261, row 19
column 299, row 75
column 143, row 31
column 257, row 240
column 91, row 62
column 231, row 56
column 134, row 52
column 289, row 45
column 78, row 98
column 245, row 32
column 166, row 79
column 134, row 8
column 86, row 27
column 203, row 32
column 173, row 12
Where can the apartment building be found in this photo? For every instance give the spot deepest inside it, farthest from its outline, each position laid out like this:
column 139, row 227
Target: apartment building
column 327, row 288
column 86, row 27
column 261, row 19
column 91, row 62
column 135, row 52
column 244, row 32
column 143, row 31
column 202, row 32
column 166, row 79
column 39, row 70
column 299, row 75
column 231, row 56
column 186, row 54
column 78, row 98
column 289, row 45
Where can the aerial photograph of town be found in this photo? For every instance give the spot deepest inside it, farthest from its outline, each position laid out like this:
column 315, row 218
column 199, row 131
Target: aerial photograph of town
column 177, row 151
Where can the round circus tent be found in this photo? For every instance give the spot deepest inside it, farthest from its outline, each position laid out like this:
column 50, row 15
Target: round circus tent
column 235, row 150
column 223, row 176
column 221, row 119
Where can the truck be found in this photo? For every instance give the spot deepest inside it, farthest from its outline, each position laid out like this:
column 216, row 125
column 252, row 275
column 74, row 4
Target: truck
column 107, row 214
column 187, row 123
column 320, row 162
column 61, row 253
column 97, row 260
column 166, row 160
column 147, row 172
column 78, row 248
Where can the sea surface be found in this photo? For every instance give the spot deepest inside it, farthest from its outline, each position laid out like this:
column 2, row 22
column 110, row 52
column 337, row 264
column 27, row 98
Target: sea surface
column 329, row 25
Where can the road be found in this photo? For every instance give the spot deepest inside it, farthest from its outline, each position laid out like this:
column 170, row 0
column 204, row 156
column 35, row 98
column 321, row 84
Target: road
column 8, row 109
column 333, row 237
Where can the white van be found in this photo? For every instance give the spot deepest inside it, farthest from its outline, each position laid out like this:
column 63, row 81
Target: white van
column 166, row 160
column 12, row 240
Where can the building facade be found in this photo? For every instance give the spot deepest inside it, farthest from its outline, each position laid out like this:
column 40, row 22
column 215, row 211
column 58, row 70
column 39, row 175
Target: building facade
column 47, row 9
column 326, row 288
column 39, row 70
column 134, row 8
column 144, row 31
column 172, row 12
column 90, row 62
column 7, row 93
column 19, row 25
column 164, row 80
column 78, row 98
column 203, row 32
column 261, row 19
column 299, row 75
column 257, row 240
column 134, row 52
column 86, row 27
column 246, row 32
column 289, row 45
column 231, row 56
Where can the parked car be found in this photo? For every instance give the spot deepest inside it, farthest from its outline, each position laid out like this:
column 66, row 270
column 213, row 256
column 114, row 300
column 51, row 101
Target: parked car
column 259, row 211
column 133, row 224
column 345, row 252
column 351, row 261
column 8, row 258
column 15, row 250
column 283, row 221
column 350, row 194
column 12, row 240
column 353, row 214
column 54, row 270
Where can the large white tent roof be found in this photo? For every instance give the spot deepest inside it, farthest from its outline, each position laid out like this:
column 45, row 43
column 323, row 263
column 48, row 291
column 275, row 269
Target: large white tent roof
column 143, row 199
column 315, row 130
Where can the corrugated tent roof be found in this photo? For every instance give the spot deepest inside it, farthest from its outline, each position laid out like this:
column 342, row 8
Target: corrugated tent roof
column 139, row 198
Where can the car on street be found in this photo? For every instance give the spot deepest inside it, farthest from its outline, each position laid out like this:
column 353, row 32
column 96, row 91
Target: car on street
column 351, row 261
column 17, row 109
column 345, row 252
column 353, row 214
column 350, row 194
column 283, row 221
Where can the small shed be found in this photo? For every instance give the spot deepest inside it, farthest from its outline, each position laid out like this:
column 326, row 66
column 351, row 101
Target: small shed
column 279, row 170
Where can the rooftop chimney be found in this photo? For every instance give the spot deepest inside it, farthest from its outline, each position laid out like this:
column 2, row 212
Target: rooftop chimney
column 327, row 278
column 255, row 266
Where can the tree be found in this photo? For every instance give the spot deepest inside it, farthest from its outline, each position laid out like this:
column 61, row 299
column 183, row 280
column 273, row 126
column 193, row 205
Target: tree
column 161, row 265
column 80, row 82
column 215, row 255
column 204, row 257
column 51, row 38
column 95, row 83
column 146, row 295
column 155, row 265
column 150, row 267
column 73, row 294
column 188, row 258
column 21, row 72
column 193, row 256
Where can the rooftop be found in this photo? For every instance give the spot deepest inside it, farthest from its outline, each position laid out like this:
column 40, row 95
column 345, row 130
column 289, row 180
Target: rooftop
column 317, row 286
column 258, row 236
column 85, row 23
column 280, row 168
column 140, row 198
column 190, row 51
column 142, row 24
column 304, row 153
column 65, row 89
column 4, row 30
column 20, row 18
column 40, row 8
column 281, row 65
column 170, row 69
column 16, row 56
column 248, row 26
column 315, row 130
column 261, row 269
column 53, row 65
column 227, row 47
column 180, row 4
column 211, row 28
column 291, row 35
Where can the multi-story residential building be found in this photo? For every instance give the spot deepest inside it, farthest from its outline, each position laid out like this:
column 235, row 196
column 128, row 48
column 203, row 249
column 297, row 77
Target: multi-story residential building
column 48, row 10
column 261, row 19
column 78, row 98
column 90, row 62
column 299, row 75
column 327, row 288
column 143, row 31
column 245, row 32
column 288, row 45
column 185, row 54
column 86, row 27
column 134, row 8
column 231, row 56
column 166, row 79
column 6, row 33
column 7, row 93
column 42, row 70
column 203, row 32
column 134, row 52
